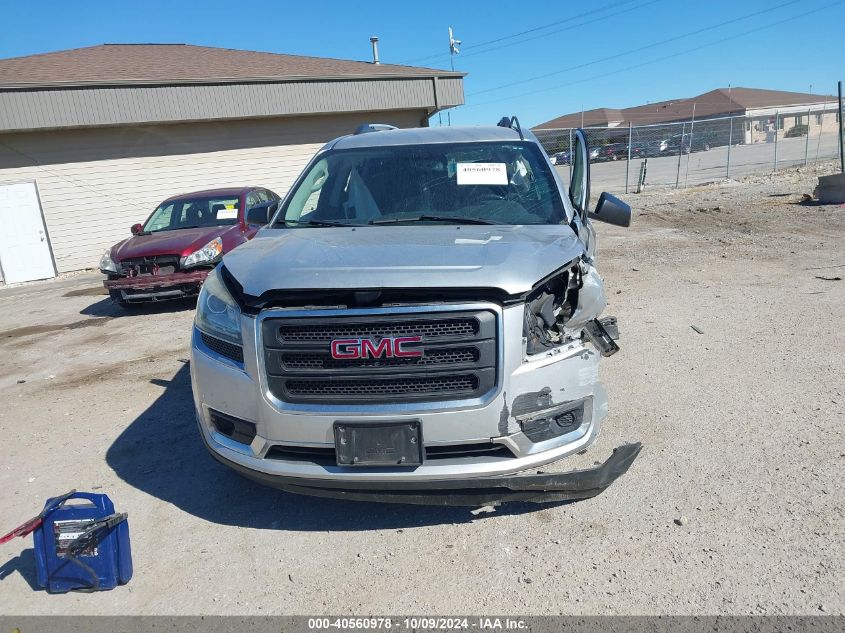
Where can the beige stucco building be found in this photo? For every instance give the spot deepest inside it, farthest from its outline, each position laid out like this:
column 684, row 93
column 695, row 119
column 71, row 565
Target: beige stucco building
column 92, row 139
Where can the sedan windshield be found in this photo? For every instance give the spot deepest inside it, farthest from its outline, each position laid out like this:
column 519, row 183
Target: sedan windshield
column 478, row 183
column 188, row 213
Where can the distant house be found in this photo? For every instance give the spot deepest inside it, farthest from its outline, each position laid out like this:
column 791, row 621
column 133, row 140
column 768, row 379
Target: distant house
column 757, row 107
column 92, row 139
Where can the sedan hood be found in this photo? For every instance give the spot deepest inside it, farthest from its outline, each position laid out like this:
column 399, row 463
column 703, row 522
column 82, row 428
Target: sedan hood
column 510, row 258
column 179, row 242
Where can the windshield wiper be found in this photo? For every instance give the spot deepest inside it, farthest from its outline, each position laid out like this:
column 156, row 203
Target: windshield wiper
column 176, row 228
column 436, row 218
column 320, row 223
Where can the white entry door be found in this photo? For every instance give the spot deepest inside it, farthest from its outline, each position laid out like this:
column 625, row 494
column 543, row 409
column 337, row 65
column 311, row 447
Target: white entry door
column 24, row 249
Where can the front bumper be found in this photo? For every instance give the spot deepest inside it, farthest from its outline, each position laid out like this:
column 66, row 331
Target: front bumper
column 156, row 287
column 527, row 390
column 474, row 491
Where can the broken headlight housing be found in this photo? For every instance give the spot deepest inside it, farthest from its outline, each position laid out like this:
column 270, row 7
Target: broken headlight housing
column 548, row 308
column 218, row 314
column 107, row 265
column 208, row 254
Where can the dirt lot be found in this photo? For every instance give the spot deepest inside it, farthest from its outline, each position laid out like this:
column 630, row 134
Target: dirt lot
column 742, row 426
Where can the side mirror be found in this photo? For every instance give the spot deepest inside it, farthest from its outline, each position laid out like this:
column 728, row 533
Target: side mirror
column 612, row 210
column 137, row 229
column 261, row 213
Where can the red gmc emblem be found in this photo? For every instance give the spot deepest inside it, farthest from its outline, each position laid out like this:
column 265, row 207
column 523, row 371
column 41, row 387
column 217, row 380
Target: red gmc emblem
column 346, row 348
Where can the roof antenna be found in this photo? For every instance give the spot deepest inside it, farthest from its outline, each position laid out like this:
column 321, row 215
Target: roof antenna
column 374, row 42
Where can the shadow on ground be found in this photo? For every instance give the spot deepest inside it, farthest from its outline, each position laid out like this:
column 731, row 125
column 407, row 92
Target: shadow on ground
column 162, row 454
column 107, row 307
column 24, row 564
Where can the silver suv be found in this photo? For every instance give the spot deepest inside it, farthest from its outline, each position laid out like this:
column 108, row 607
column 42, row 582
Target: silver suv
column 418, row 322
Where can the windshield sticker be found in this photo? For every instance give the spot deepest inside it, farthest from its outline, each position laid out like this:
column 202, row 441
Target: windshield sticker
column 482, row 174
column 227, row 214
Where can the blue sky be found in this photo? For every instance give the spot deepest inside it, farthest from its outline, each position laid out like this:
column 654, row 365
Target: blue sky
column 607, row 53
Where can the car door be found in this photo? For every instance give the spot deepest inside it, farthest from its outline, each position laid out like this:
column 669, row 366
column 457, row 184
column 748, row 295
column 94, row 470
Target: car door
column 579, row 190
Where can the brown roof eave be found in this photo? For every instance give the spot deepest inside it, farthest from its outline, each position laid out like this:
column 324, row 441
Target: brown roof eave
column 225, row 80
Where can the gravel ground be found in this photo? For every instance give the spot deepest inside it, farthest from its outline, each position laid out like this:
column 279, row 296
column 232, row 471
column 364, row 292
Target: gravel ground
column 735, row 505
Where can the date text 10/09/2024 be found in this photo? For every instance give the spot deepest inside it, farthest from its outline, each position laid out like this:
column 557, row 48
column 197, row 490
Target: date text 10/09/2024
column 417, row 623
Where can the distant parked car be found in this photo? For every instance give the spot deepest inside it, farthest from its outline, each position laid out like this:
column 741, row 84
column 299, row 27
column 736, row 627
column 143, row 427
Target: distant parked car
column 611, row 151
column 561, row 158
column 169, row 255
column 656, row 147
column 796, row 130
column 686, row 143
column 619, row 151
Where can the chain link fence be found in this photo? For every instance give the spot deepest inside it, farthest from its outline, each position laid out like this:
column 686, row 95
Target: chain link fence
column 698, row 151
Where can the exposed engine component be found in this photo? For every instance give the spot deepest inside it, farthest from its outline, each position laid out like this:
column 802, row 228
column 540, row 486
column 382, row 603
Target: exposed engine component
column 548, row 308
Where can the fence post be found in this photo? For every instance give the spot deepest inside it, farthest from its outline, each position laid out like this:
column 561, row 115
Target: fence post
column 628, row 162
column 821, row 127
column 689, row 156
column 641, row 178
column 807, row 140
column 730, row 142
column 776, row 142
column 840, row 116
column 680, row 153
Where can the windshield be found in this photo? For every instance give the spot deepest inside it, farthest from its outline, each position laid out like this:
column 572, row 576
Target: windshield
column 501, row 183
column 186, row 213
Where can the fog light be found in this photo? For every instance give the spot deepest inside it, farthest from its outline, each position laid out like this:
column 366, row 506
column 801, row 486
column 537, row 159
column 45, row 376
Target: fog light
column 232, row 427
column 553, row 423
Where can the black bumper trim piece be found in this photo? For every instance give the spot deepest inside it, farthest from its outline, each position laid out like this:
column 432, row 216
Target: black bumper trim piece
column 477, row 491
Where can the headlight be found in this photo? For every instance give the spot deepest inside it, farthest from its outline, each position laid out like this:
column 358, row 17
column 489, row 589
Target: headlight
column 106, row 263
column 209, row 253
column 218, row 314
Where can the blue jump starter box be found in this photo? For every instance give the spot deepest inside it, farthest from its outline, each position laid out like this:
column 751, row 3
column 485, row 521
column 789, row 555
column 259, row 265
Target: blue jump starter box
column 101, row 563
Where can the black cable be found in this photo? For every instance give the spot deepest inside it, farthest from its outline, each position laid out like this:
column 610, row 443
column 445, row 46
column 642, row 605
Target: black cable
column 91, row 536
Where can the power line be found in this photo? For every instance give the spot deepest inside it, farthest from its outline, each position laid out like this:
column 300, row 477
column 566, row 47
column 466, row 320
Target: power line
column 600, row 18
column 662, row 58
column 635, row 50
column 513, row 35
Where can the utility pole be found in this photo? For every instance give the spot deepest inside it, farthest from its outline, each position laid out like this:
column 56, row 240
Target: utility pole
column 453, row 50
column 628, row 162
column 730, row 133
column 841, row 135
column 691, row 128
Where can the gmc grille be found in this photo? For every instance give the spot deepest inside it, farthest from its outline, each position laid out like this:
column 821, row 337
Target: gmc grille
column 458, row 359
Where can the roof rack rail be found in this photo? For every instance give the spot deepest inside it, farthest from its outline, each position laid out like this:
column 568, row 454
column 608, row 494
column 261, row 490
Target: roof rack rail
column 364, row 128
column 512, row 123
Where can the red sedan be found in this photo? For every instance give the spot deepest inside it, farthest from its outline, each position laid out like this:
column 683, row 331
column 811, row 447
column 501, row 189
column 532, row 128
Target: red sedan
column 169, row 256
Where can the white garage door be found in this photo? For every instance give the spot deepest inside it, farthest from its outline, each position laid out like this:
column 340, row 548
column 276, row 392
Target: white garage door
column 24, row 249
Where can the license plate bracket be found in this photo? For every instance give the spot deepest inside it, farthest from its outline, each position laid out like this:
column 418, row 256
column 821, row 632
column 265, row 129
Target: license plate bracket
column 378, row 443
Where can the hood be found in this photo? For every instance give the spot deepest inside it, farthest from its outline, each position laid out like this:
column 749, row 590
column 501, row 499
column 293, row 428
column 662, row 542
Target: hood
column 510, row 258
column 179, row 242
